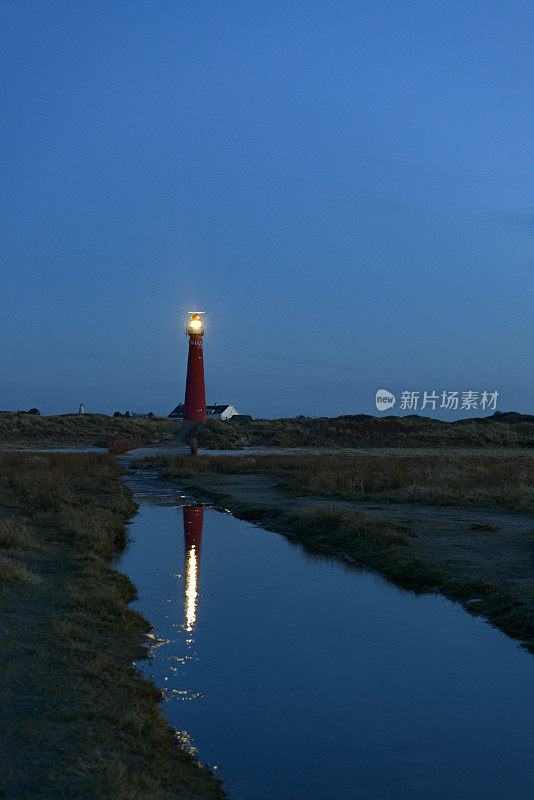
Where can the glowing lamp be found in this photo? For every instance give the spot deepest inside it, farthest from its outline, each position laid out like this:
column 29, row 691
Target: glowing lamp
column 195, row 323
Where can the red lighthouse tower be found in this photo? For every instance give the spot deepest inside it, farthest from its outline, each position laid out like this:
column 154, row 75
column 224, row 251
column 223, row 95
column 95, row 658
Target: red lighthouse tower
column 195, row 393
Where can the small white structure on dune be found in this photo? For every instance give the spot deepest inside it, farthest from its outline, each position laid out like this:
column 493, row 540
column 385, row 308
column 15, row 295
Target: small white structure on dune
column 81, row 409
column 216, row 411
column 221, row 411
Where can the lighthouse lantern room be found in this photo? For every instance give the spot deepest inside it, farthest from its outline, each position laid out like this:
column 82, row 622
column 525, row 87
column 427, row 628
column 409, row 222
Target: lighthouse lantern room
column 195, row 392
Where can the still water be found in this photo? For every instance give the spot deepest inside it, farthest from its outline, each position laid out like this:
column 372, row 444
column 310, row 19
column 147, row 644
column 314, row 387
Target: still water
column 301, row 677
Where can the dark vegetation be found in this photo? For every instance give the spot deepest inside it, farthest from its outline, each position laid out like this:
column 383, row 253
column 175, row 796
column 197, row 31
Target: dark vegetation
column 80, row 430
column 117, row 446
column 457, row 480
column 385, row 544
column 26, row 431
column 362, row 430
column 77, row 720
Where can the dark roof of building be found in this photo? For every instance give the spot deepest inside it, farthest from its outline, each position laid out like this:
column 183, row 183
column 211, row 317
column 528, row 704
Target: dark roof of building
column 241, row 418
column 213, row 409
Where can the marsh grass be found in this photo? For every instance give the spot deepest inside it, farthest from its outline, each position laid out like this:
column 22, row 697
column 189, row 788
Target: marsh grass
column 119, row 445
column 12, row 571
column 77, row 719
column 353, row 431
column 14, row 534
column 362, row 430
column 479, row 482
column 377, row 543
column 79, row 430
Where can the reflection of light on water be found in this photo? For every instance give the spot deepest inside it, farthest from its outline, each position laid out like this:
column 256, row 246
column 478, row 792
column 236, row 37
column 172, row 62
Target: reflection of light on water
column 154, row 643
column 185, row 742
column 191, row 589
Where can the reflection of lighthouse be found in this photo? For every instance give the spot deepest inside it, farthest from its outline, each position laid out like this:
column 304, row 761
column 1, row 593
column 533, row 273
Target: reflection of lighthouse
column 195, row 393
column 193, row 519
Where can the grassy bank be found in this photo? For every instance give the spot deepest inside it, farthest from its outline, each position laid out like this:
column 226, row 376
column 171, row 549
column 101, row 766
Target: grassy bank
column 482, row 482
column 29, row 431
column 77, row 720
column 363, row 430
column 476, row 562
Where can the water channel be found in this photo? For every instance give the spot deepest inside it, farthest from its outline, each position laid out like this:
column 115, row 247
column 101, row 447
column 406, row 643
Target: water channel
column 300, row 677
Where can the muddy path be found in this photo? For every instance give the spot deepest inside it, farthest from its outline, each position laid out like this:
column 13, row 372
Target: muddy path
column 177, row 447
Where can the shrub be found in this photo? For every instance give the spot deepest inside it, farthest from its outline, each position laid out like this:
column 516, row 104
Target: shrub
column 118, row 446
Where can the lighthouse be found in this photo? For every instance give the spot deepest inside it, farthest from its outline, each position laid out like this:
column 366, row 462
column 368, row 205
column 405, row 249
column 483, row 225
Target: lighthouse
column 195, row 393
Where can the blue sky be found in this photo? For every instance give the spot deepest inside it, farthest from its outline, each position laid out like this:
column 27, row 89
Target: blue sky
column 346, row 189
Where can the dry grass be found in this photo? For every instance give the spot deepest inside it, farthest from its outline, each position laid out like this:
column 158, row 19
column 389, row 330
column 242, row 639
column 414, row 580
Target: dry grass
column 480, row 482
column 378, row 543
column 362, row 430
column 11, row 571
column 15, row 541
column 118, row 446
column 28, row 431
column 77, row 720
column 14, row 534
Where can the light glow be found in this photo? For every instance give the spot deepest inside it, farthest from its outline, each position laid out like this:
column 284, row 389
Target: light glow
column 195, row 323
column 191, row 589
